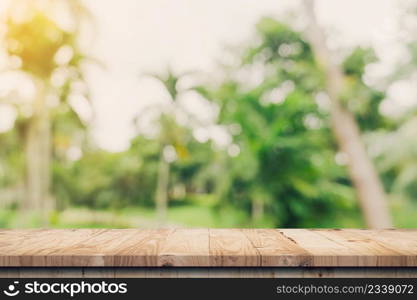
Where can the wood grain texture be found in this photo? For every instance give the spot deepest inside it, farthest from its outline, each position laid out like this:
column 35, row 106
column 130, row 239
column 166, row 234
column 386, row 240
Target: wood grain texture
column 275, row 249
column 185, row 247
column 202, row 248
column 231, row 247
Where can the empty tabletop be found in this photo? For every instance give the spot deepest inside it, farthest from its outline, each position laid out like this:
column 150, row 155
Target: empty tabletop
column 208, row 248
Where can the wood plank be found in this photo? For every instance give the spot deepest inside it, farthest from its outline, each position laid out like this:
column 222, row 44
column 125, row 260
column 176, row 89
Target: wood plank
column 100, row 249
column 325, row 252
column 37, row 247
column 42, row 241
column 276, row 249
column 403, row 241
column 143, row 250
column 231, row 248
column 83, row 247
column 185, row 247
column 371, row 251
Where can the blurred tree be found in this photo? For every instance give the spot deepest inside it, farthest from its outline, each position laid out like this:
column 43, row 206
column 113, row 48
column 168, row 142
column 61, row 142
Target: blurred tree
column 11, row 168
column 281, row 159
column 397, row 155
column 284, row 138
column 102, row 180
column 368, row 186
column 172, row 139
column 43, row 49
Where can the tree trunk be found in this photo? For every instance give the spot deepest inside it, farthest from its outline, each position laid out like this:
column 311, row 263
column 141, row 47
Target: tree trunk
column 365, row 179
column 161, row 196
column 38, row 152
column 257, row 209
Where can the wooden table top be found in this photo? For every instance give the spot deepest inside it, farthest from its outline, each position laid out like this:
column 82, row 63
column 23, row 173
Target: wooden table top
column 208, row 248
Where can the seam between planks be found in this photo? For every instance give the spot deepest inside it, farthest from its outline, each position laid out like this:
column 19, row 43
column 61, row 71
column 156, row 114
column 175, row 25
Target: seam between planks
column 309, row 257
column 253, row 245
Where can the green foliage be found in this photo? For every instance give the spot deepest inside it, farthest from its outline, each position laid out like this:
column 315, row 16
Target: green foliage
column 170, row 81
column 42, row 49
column 35, row 41
column 279, row 43
column 105, row 180
column 360, row 98
column 287, row 152
column 355, row 63
column 10, row 159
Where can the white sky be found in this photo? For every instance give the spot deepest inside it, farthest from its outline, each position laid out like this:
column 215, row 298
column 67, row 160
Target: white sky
column 142, row 36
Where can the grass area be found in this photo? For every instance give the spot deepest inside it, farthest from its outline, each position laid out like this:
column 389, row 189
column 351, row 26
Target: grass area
column 178, row 216
column 136, row 217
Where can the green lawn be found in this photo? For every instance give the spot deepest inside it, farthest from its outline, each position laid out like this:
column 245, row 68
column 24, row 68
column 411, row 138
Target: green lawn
column 136, row 217
column 178, row 216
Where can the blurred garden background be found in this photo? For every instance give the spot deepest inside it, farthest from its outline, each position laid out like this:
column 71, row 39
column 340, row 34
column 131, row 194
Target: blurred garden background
column 198, row 113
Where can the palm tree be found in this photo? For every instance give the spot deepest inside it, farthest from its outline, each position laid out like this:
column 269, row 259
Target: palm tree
column 172, row 139
column 42, row 47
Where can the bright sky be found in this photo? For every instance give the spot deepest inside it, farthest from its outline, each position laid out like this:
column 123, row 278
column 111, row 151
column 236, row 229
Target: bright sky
column 141, row 36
